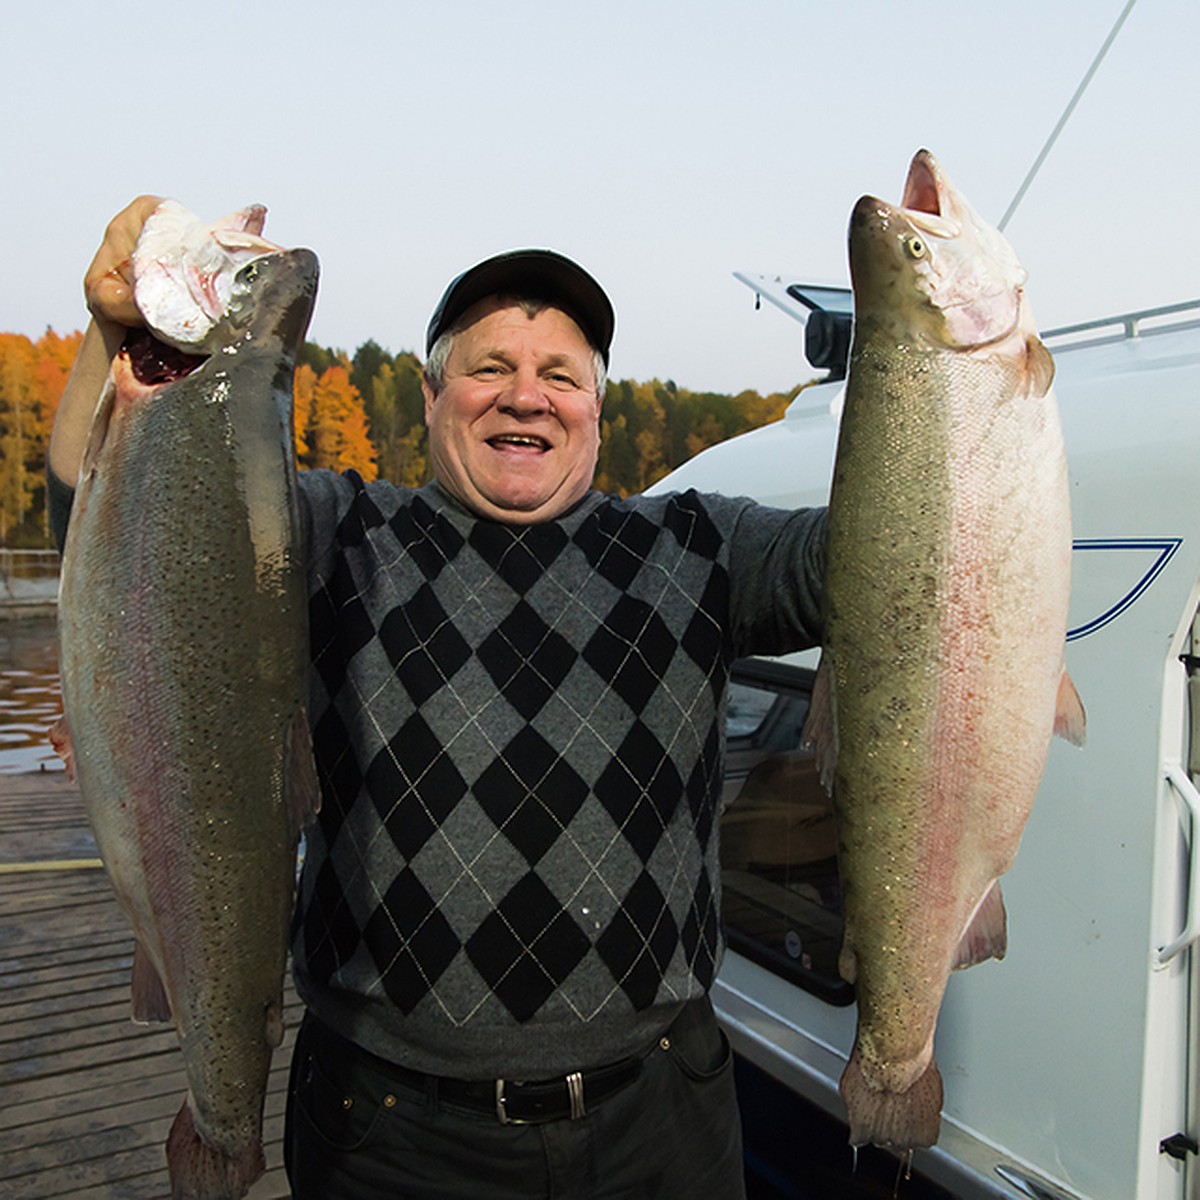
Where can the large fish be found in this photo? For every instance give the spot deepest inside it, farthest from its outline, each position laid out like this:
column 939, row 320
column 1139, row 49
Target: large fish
column 942, row 676
column 184, row 659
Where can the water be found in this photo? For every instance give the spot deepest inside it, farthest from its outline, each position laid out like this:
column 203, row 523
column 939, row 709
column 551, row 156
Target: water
column 30, row 695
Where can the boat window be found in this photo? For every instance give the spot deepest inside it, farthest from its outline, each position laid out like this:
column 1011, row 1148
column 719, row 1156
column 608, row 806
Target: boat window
column 782, row 900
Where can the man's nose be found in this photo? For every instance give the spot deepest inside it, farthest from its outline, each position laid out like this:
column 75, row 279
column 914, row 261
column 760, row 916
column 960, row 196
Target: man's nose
column 523, row 393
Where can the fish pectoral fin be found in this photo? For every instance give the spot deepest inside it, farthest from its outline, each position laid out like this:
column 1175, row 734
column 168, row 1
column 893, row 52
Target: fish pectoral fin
column 302, row 788
column 60, row 739
column 987, row 932
column 1070, row 721
column 848, row 963
column 820, row 729
column 150, row 1003
column 101, row 420
column 1039, row 366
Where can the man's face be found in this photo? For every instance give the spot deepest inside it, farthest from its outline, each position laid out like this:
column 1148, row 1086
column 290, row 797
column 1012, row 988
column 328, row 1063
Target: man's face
column 515, row 431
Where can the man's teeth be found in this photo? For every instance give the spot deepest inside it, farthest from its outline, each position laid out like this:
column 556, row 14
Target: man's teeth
column 518, row 440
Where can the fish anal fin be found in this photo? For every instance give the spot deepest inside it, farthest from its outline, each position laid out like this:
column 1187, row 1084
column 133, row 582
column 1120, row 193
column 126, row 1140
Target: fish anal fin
column 1039, row 366
column 150, row 1003
column 1070, row 721
column 986, row 935
column 60, row 739
column 273, row 1031
column 302, row 788
column 820, row 728
column 906, row 1120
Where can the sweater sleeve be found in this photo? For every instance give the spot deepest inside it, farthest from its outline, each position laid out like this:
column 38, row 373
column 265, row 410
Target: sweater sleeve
column 59, row 498
column 777, row 579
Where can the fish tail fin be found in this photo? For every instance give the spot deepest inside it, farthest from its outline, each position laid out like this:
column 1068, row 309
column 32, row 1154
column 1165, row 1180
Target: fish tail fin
column 902, row 1121
column 986, row 935
column 1070, row 721
column 200, row 1170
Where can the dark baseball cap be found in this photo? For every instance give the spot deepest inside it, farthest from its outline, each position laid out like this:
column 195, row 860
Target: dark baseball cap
column 536, row 274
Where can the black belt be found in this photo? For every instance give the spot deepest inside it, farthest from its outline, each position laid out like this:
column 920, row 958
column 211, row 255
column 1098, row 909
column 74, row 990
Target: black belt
column 511, row 1102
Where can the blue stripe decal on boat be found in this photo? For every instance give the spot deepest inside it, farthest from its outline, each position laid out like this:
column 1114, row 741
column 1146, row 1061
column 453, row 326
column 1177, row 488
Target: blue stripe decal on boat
column 1164, row 550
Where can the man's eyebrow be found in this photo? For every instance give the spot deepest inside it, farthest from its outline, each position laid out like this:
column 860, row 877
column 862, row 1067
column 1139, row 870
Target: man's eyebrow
column 561, row 360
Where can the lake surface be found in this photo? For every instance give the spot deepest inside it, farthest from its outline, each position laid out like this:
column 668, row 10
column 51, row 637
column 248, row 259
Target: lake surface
column 30, row 695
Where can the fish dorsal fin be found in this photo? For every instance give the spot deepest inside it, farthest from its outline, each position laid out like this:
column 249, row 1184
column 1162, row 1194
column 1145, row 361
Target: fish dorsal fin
column 302, row 791
column 820, row 730
column 1039, row 366
column 1070, row 721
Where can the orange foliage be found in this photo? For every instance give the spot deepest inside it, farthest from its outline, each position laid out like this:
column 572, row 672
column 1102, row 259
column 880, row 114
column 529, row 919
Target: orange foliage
column 32, row 378
column 337, row 434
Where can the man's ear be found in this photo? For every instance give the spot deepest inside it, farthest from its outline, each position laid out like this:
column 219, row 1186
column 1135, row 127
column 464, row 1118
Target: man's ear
column 429, row 394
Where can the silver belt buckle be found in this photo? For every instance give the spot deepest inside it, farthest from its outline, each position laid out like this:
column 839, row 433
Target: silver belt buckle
column 574, row 1083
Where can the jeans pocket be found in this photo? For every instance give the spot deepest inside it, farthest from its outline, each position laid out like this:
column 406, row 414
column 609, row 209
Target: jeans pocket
column 699, row 1046
column 345, row 1114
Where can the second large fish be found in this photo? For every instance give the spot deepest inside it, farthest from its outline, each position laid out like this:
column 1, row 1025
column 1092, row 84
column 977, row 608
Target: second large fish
column 942, row 677
column 184, row 659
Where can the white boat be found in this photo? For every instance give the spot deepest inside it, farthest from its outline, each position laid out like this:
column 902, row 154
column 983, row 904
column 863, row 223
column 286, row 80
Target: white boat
column 1072, row 1068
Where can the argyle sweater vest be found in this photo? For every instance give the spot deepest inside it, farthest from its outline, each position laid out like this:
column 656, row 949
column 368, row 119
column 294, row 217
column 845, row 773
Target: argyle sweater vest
column 519, row 736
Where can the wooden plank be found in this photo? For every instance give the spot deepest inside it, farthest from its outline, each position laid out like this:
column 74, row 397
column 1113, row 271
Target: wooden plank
column 86, row 1096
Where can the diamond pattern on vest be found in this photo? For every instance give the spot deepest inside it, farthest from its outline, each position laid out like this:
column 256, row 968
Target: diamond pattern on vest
column 516, row 730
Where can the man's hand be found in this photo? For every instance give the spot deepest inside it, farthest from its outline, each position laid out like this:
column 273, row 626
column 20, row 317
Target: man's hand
column 108, row 283
column 108, row 289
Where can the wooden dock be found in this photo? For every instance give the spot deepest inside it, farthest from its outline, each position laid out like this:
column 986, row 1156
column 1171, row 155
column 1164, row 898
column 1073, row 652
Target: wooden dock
column 86, row 1096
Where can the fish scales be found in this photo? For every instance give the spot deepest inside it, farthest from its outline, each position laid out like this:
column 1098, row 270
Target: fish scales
column 184, row 666
column 947, row 585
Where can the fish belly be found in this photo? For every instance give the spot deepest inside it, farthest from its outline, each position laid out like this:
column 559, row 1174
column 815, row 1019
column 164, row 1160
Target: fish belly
column 949, row 559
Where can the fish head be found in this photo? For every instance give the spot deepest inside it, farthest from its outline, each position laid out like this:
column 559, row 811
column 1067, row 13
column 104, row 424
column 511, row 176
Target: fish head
column 932, row 266
column 186, row 272
column 271, row 302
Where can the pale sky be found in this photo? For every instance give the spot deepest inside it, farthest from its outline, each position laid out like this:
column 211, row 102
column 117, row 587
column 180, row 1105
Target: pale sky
column 662, row 145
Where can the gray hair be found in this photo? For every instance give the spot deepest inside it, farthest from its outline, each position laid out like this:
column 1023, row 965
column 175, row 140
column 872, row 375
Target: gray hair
column 439, row 352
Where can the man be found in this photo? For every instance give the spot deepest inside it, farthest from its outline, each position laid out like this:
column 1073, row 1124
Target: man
column 508, row 920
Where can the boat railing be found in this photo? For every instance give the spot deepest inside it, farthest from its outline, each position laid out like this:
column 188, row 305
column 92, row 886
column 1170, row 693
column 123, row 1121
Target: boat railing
column 1130, row 324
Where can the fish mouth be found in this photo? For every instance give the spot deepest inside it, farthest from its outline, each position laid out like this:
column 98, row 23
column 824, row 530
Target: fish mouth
column 927, row 198
column 155, row 363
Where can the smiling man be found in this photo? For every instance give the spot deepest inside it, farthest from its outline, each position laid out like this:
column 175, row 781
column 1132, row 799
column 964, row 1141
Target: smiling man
column 513, row 388
column 508, row 919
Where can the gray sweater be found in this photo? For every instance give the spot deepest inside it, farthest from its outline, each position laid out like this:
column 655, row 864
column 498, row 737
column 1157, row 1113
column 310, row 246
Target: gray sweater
column 519, row 735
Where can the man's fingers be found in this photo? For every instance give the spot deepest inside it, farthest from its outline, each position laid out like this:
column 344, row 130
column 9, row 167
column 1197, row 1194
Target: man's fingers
column 108, row 283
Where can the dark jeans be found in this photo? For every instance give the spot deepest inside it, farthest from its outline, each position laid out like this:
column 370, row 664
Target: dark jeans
column 673, row 1133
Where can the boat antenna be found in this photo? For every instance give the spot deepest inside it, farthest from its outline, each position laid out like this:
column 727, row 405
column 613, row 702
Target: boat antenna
column 1087, row 79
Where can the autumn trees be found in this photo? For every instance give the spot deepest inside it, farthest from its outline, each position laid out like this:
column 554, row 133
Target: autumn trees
column 32, row 378
column 364, row 411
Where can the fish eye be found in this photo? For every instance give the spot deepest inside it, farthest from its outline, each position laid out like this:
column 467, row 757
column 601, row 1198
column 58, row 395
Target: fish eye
column 914, row 246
